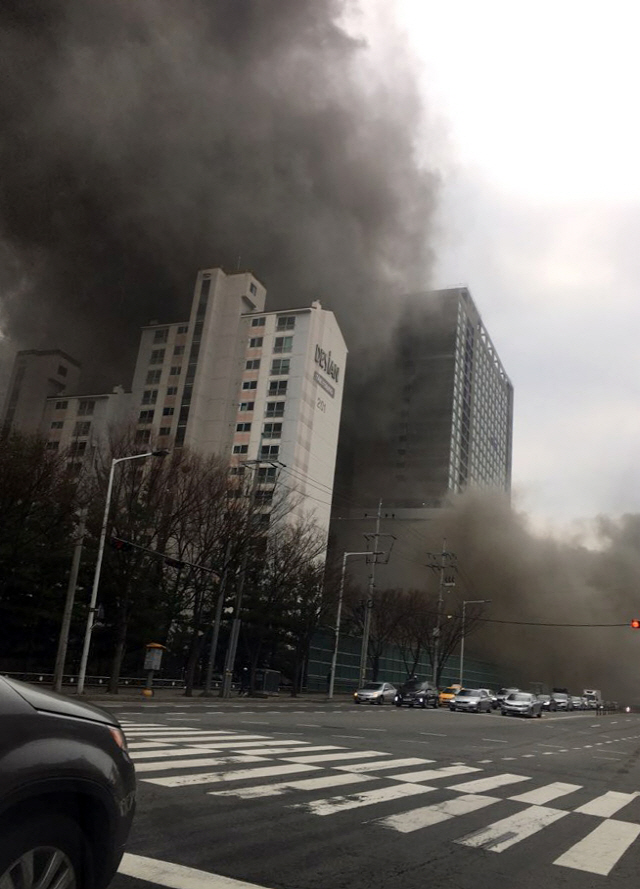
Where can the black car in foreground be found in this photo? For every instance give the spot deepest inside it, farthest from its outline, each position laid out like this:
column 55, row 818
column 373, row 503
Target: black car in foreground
column 67, row 791
column 417, row 694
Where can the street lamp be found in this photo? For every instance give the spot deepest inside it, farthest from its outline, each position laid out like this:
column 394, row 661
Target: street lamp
column 96, row 577
column 464, row 605
column 334, row 658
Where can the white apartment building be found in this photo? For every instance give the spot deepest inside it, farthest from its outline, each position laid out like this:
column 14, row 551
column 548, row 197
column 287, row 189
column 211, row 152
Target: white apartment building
column 80, row 424
column 36, row 375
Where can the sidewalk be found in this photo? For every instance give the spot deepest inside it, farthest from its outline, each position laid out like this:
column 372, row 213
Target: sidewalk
column 177, row 696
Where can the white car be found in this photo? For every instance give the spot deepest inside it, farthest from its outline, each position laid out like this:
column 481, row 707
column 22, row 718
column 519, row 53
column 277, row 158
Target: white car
column 375, row 693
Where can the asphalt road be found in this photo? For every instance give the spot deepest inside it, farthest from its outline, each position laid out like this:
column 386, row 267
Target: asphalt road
column 316, row 795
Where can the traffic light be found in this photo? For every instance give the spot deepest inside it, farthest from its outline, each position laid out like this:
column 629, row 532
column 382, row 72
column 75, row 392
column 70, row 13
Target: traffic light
column 123, row 546
column 635, row 623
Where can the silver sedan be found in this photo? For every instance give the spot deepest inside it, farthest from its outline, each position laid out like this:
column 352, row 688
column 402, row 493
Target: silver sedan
column 474, row 700
column 374, row 693
column 521, row 703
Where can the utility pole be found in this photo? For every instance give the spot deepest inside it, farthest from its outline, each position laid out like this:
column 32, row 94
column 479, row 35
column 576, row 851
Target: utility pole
column 446, row 559
column 63, row 642
column 215, row 629
column 366, row 629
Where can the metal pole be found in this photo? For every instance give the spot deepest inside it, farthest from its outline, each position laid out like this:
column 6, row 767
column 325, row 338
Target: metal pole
column 215, row 632
column 63, row 642
column 96, row 577
column 366, row 629
column 436, row 645
column 464, row 605
column 334, row 658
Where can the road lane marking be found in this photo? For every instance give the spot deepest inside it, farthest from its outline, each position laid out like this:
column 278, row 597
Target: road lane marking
column 598, row 852
column 164, row 765
column 495, row 740
column 261, row 790
column 387, row 764
column 367, row 798
column 608, row 804
column 169, row 752
column 432, row 774
column 433, row 734
column 481, row 785
column 239, row 775
column 502, row 834
column 147, row 745
column 280, row 751
column 332, row 757
column 416, row 819
column 177, row 876
column 543, row 795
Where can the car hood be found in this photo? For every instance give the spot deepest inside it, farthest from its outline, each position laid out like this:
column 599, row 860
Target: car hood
column 50, row 702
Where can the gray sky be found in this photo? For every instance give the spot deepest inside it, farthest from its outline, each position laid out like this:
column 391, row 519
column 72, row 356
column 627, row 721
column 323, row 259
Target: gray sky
column 533, row 128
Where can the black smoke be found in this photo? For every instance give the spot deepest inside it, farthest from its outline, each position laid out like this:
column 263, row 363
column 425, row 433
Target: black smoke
column 142, row 141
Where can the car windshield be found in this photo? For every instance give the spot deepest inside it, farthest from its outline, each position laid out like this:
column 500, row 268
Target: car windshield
column 519, row 697
column 561, row 697
column 372, row 686
column 468, row 693
column 451, row 691
column 544, row 697
column 507, row 691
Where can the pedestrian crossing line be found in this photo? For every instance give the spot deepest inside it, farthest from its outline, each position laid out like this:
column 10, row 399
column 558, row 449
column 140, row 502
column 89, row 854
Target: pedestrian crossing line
column 163, row 765
column 306, row 784
column 432, row 774
column 227, row 739
column 173, row 752
column 608, row 804
column 148, row 745
column 481, row 785
column 280, row 751
column 546, row 794
column 368, row 798
column 238, row 775
column 598, row 852
column 332, row 757
column 426, row 816
column 387, row 764
column 502, row 834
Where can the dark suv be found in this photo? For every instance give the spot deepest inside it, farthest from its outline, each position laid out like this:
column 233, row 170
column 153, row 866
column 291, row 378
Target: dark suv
column 67, row 790
column 417, row 694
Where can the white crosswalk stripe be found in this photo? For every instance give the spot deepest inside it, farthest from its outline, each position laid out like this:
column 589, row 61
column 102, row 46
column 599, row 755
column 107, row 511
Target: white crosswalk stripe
column 333, row 757
column 387, row 764
column 608, row 804
column 433, row 774
column 164, row 765
column 305, row 784
column 239, row 775
column 481, row 785
column 426, row 816
column 546, row 794
column 367, row 798
column 601, row 850
column 502, row 834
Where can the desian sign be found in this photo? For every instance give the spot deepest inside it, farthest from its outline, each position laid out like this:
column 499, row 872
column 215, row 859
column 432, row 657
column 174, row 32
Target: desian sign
column 326, row 363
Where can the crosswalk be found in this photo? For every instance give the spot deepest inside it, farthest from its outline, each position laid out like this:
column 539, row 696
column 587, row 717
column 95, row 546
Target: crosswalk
column 251, row 766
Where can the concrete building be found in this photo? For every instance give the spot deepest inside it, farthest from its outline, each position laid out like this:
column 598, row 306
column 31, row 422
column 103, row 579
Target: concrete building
column 36, row 376
column 80, row 424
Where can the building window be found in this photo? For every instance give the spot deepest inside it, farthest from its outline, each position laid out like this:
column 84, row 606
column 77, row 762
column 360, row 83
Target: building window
column 286, row 322
column 175, row 371
column 53, row 445
column 150, row 396
column 57, row 424
column 143, row 436
column 161, row 336
column 62, row 405
column 85, row 408
column 280, row 366
column 250, row 384
column 274, row 409
column 272, row 430
column 157, row 356
column 257, row 322
column 164, row 430
column 252, row 364
column 246, row 405
column 77, row 448
column 153, row 377
column 184, row 328
column 172, row 390
column 178, row 350
column 282, row 344
column 82, row 427
column 253, row 289
column 243, row 427
column 167, row 411
column 236, row 470
column 266, row 473
column 277, row 387
column 263, row 498
column 146, row 417
column 269, row 451
column 62, row 371
column 255, row 342
column 241, row 449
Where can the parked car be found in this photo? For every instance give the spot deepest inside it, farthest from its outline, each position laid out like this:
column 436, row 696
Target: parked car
column 475, row 700
column 448, row 694
column 502, row 694
column 577, row 702
column 493, row 696
column 416, row 694
column 547, row 702
column 561, row 700
column 521, row 703
column 375, row 693
column 67, row 790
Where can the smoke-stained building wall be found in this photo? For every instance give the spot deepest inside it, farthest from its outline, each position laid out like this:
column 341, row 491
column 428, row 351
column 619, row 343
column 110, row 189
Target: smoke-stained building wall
column 37, row 374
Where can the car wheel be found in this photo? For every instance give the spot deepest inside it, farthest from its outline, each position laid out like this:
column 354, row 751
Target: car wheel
column 46, row 851
column 381, row 700
column 540, row 715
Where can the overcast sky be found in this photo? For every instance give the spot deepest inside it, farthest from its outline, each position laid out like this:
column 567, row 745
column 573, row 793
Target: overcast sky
column 535, row 131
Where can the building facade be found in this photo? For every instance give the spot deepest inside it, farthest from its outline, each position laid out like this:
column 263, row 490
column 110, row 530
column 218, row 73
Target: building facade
column 36, row 376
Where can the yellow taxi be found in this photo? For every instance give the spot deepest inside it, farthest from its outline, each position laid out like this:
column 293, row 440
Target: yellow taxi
column 448, row 694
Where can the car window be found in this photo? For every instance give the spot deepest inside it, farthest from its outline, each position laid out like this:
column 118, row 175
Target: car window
column 519, row 697
column 371, row 686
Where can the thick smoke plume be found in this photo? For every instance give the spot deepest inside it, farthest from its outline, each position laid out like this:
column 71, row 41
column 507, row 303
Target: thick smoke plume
column 142, row 141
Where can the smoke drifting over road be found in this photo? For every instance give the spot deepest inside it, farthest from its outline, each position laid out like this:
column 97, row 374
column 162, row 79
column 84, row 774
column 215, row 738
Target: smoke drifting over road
column 142, row 141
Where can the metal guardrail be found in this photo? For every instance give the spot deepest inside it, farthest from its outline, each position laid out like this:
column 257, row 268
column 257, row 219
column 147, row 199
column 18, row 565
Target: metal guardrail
column 98, row 681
